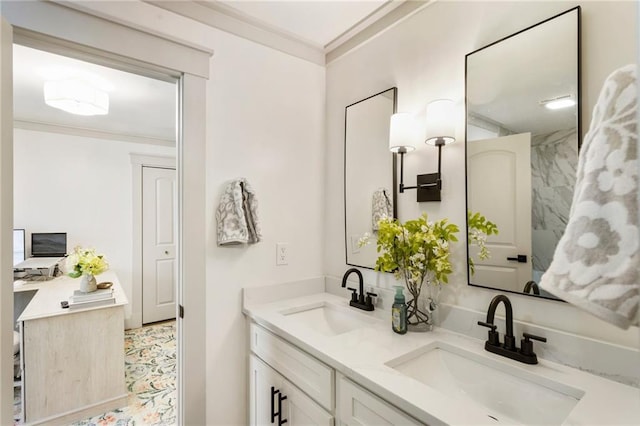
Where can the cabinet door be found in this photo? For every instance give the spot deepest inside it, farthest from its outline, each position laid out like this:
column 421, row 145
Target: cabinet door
column 358, row 407
column 264, row 382
column 275, row 401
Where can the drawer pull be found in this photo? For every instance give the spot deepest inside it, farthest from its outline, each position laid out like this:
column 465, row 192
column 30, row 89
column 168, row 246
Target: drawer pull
column 281, row 398
column 278, row 413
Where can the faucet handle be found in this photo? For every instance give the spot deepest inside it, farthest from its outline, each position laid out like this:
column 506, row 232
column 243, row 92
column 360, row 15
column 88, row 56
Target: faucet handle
column 488, row 325
column 368, row 300
column 354, row 294
column 526, row 345
column 493, row 336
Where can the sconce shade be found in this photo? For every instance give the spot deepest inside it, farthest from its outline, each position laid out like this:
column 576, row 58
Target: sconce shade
column 402, row 133
column 440, row 128
column 76, row 97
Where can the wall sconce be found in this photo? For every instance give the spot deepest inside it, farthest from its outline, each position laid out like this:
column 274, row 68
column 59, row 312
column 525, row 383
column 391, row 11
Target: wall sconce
column 440, row 129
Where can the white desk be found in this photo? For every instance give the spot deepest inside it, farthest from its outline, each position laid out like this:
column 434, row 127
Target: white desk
column 72, row 361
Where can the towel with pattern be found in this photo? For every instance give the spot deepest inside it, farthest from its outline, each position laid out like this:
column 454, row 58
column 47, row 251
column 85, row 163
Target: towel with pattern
column 380, row 207
column 237, row 215
column 596, row 262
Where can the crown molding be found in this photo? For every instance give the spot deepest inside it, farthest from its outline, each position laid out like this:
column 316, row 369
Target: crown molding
column 90, row 133
column 384, row 18
column 225, row 18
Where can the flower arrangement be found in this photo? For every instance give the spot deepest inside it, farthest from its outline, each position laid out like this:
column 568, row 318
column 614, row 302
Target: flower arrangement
column 419, row 251
column 85, row 261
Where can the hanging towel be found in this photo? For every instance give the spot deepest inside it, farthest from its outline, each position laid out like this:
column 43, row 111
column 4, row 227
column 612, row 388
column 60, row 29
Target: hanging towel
column 596, row 262
column 380, row 207
column 237, row 215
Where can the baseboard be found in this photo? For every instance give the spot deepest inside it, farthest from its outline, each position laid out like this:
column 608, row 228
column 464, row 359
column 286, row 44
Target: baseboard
column 83, row 412
column 134, row 321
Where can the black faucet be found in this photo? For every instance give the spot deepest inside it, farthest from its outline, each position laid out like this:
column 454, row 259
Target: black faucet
column 358, row 300
column 531, row 285
column 509, row 349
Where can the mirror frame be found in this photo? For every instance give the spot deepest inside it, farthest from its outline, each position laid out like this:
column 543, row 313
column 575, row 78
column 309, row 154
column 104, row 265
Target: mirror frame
column 578, row 126
column 344, row 176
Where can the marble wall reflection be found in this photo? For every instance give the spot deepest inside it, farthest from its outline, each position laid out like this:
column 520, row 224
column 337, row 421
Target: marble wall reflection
column 554, row 160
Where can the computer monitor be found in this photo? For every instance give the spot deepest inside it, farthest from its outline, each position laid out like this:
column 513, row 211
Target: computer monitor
column 48, row 244
column 19, row 251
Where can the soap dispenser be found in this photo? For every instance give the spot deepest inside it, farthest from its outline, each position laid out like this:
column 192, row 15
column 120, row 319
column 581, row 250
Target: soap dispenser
column 399, row 312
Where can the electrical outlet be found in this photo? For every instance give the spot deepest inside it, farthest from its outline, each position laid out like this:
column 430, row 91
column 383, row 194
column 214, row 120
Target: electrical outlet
column 282, row 253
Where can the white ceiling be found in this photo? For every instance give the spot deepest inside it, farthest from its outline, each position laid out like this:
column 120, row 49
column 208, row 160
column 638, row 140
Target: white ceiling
column 139, row 107
column 144, row 109
column 315, row 21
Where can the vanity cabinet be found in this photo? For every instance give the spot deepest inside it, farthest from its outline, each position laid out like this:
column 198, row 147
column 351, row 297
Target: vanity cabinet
column 289, row 386
column 275, row 401
column 358, row 407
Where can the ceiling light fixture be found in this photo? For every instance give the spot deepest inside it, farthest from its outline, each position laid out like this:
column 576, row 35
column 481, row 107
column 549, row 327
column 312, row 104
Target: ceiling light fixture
column 560, row 102
column 76, row 97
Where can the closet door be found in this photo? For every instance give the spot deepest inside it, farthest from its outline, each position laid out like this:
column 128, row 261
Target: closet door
column 159, row 268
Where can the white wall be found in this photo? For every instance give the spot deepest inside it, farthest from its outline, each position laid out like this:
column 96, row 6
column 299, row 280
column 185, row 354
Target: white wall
column 81, row 186
column 265, row 122
column 424, row 57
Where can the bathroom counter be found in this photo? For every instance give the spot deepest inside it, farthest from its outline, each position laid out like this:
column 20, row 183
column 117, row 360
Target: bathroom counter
column 362, row 355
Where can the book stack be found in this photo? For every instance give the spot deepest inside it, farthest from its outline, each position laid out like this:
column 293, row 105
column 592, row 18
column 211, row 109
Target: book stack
column 81, row 300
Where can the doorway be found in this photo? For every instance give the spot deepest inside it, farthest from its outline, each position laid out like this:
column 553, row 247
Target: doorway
column 153, row 54
column 88, row 159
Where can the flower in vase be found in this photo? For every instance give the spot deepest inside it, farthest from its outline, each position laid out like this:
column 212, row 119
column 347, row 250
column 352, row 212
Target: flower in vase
column 419, row 251
column 85, row 261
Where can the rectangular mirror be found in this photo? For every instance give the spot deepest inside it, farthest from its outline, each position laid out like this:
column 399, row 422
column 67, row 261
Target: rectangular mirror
column 369, row 170
column 522, row 137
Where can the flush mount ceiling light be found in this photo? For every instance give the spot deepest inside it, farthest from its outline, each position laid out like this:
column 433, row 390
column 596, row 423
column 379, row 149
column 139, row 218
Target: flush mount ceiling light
column 560, row 102
column 76, row 96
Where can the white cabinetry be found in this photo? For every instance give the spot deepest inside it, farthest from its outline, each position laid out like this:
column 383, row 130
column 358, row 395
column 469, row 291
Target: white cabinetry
column 275, row 401
column 358, row 407
column 289, row 386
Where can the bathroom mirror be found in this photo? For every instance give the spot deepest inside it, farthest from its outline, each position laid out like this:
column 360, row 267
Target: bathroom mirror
column 522, row 138
column 369, row 170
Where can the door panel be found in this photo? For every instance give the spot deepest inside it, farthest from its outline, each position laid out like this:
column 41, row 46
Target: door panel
column 499, row 183
column 158, row 244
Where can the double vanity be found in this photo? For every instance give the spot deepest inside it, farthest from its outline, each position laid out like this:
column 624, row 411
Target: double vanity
column 316, row 360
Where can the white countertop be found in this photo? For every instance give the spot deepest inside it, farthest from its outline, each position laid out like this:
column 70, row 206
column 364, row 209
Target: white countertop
column 361, row 355
column 46, row 302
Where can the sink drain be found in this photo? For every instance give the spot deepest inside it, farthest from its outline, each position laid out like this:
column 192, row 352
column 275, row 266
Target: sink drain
column 491, row 417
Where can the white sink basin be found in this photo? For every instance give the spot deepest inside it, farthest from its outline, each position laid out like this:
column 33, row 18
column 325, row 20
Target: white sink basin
column 508, row 393
column 327, row 318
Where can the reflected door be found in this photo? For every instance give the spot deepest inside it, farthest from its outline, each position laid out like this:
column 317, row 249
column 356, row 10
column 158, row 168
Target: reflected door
column 499, row 186
column 158, row 244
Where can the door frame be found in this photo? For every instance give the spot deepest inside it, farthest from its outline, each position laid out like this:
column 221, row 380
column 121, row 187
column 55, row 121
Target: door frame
column 82, row 35
column 138, row 161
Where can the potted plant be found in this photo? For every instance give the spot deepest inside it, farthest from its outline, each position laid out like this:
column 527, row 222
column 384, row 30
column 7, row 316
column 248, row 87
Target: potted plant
column 86, row 263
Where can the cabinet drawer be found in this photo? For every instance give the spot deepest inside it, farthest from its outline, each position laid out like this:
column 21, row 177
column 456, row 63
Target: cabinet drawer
column 310, row 375
column 359, row 407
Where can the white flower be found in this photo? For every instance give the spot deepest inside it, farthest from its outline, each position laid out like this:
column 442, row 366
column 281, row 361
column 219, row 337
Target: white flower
column 618, row 174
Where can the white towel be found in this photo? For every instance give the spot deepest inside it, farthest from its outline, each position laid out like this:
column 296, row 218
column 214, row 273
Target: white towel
column 380, row 207
column 596, row 262
column 237, row 215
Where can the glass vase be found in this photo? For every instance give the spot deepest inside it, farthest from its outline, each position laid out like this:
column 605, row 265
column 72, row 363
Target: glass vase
column 420, row 310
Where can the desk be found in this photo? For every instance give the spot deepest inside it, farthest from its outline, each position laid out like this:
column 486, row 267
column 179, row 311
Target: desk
column 72, row 361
